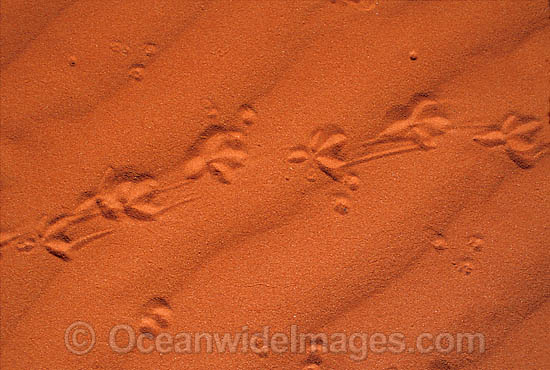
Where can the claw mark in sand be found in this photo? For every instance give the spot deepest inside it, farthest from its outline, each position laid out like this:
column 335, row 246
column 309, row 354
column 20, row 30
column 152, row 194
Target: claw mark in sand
column 156, row 316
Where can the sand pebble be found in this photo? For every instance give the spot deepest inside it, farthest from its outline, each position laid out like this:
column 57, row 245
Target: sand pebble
column 72, row 61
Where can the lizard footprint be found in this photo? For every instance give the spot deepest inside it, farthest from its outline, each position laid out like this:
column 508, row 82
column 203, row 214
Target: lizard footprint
column 220, row 154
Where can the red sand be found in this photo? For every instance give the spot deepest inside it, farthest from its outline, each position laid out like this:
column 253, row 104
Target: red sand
column 347, row 167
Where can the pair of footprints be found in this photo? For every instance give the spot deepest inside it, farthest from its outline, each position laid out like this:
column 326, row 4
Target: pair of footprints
column 465, row 263
column 122, row 195
column 324, row 151
column 524, row 139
